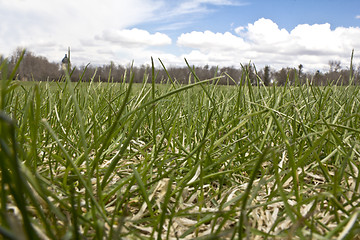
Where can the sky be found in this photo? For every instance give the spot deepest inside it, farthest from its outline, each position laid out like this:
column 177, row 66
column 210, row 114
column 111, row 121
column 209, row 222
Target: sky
column 282, row 33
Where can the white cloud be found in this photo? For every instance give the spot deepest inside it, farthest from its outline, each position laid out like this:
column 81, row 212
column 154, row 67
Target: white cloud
column 180, row 14
column 101, row 32
column 135, row 38
column 96, row 31
column 316, row 39
column 173, row 9
column 239, row 30
column 175, row 25
column 208, row 41
column 264, row 43
column 219, row 2
column 357, row 17
column 215, row 2
column 265, row 32
column 35, row 24
column 197, row 57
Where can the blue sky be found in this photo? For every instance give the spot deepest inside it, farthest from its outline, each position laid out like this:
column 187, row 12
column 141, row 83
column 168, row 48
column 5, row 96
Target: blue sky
column 215, row 32
column 287, row 14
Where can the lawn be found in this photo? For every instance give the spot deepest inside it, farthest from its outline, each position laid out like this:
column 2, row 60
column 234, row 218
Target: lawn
column 144, row 161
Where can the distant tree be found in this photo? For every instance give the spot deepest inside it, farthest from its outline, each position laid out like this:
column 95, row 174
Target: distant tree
column 334, row 65
column 281, row 77
column 252, row 75
column 214, row 71
column 318, row 78
column 205, row 72
column 357, row 75
column 16, row 55
column 300, row 70
column 249, row 71
column 33, row 67
column 38, row 68
column 231, row 75
column 266, row 77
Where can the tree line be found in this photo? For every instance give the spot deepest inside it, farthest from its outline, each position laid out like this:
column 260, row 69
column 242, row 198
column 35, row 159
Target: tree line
column 37, row 68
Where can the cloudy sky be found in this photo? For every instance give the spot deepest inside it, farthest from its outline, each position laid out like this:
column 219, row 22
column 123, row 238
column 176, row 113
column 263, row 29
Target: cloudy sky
column 215, row 32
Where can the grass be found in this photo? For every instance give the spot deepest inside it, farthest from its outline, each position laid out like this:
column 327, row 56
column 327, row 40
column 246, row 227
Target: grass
column 146, row 161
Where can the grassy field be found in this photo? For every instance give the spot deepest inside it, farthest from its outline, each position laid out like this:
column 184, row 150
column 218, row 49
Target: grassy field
column 125, row 161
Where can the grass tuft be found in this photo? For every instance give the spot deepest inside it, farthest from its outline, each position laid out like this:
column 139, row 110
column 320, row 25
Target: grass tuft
column 197, row 161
